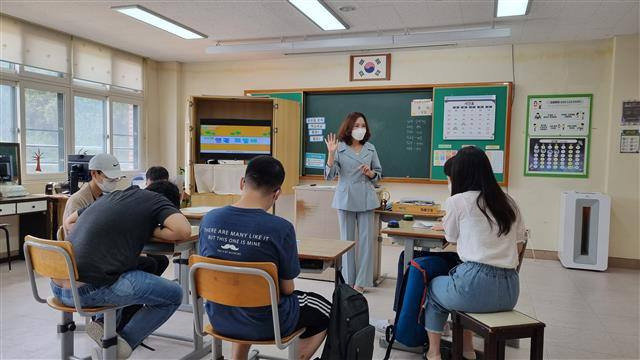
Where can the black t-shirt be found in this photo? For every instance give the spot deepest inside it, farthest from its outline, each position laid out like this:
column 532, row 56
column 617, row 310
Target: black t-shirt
column 110, row 234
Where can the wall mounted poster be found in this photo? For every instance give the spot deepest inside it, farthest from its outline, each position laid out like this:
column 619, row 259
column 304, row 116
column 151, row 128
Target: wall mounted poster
column 630, row 113
column 554, row 156
column 558, row 134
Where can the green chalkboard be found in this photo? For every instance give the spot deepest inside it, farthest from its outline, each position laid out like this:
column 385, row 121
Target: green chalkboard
column 403, row 141
column 465, row 99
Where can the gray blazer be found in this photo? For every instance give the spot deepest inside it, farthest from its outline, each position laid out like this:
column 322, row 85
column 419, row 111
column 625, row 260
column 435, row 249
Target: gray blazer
column 355, row 191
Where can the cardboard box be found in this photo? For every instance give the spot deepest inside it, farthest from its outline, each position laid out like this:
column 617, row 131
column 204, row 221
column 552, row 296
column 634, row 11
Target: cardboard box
column 417, row 209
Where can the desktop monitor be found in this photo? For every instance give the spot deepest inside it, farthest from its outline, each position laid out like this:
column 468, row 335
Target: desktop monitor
column 78, row 170
column 233, row 139
column 10, row 163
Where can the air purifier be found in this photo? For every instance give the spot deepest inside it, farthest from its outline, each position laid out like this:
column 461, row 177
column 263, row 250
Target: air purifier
column 584, row 230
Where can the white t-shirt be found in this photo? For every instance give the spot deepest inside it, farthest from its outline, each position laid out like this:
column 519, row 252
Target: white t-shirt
column 476, row 239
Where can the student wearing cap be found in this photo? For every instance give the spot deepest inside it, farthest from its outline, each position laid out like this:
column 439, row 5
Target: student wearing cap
column 105, row 174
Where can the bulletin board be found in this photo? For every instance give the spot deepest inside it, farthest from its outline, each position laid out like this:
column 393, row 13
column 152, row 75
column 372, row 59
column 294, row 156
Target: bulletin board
column 472, row 115
column 558, row 135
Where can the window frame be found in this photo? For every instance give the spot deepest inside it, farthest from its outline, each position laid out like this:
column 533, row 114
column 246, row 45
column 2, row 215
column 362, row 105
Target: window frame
column 24, row 85
column 89, row 95
column 141, row 128
column 16, row 105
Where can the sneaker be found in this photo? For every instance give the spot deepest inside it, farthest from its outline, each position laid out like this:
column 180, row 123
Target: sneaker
column 124, row 351
column 380, row 325
column 95, row 330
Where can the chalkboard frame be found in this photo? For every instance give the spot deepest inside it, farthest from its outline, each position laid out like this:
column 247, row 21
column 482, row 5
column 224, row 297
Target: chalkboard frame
column 432, row 87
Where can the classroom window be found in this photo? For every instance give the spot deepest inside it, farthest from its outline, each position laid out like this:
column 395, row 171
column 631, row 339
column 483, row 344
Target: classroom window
column 125, row 134
column 8, row 115
column 90, row 125
column 44, row 125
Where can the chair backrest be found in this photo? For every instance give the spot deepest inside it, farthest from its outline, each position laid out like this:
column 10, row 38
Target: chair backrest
column 60, row 234
column 47, row 261
column 230, row 285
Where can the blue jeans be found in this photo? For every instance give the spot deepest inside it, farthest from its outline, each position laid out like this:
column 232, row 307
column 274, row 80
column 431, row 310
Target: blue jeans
column 470, row 287
column 161, row 298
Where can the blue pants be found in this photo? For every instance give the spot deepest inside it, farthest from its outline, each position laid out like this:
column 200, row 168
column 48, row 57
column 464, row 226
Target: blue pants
column 362, row 273
column 470, row 287
column 161, row 298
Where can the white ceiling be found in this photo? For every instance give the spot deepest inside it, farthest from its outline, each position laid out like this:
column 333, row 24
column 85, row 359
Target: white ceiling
column 241, row 20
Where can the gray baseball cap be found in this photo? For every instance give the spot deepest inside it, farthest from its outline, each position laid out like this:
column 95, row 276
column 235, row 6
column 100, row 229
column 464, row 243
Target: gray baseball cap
column 106, row 163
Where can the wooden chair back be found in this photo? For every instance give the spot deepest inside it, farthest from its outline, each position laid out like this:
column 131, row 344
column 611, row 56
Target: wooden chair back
column 234, row 288
column 521, row 254
column 48, row 262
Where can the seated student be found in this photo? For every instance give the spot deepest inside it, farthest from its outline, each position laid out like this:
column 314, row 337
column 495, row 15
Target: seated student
column 273, row 239
column 107, row 238
column 487, row 227
column 156, row 173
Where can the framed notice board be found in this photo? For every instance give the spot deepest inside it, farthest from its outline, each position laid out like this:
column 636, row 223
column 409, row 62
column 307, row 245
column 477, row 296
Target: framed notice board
column 471, row 115
column 558, row 135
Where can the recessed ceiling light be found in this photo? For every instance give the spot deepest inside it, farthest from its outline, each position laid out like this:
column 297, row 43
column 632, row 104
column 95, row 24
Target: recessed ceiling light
column 512, row 7
column 347, row 8
column 320, row 14
column 145, row 15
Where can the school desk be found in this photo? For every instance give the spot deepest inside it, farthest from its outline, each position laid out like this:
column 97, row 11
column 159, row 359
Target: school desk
column 412, row 237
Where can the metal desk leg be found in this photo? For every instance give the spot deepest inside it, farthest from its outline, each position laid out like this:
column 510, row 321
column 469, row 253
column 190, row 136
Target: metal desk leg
column 408, row 252
column 183, row 279
column 216, row 348
column 337, row 266
column 200, row 348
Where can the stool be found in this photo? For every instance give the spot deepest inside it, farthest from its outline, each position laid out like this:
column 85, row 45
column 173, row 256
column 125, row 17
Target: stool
column 6, row 236
column 496, row 328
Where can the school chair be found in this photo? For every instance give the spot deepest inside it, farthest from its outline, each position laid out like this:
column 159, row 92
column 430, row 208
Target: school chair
column 55, row 260
column 499, row 329
column 239, row 284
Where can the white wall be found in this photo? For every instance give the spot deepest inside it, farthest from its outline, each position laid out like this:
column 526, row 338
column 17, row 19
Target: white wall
column 577, row 67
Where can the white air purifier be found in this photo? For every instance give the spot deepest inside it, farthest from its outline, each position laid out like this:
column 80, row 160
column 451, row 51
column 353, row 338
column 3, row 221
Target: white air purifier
column 584, row 230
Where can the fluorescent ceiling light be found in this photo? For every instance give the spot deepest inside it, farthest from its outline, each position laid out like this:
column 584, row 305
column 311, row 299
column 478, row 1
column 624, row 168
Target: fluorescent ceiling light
column 145, row 15
column 511, row 7
column 321, row 15
column 364, row 42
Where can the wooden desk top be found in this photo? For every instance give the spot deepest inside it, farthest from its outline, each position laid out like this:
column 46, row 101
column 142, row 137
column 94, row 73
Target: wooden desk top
column 322, row 249
column 195, row 231
column 441, row 213
column 408, row 231
column 18, row 199
column 196, row 212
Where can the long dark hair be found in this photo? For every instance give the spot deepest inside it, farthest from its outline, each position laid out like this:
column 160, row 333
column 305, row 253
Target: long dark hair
column 344, row 134
column 470, row 170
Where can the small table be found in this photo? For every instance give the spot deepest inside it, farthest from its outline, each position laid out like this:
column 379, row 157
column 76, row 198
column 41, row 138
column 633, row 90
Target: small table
column 195, row 213
column 412, row 237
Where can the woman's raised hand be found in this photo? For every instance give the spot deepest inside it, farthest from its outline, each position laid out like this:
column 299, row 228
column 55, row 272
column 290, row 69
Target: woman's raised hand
column 332, row 143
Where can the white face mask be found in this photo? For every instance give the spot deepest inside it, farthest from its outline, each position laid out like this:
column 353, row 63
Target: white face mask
column 359, row 133
column 107, row 186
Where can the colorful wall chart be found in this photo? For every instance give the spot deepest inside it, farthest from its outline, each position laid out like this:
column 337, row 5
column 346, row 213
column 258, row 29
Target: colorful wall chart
column 558, row 134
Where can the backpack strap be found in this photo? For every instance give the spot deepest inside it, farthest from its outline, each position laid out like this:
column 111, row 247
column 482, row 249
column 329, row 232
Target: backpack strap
column 425, row 280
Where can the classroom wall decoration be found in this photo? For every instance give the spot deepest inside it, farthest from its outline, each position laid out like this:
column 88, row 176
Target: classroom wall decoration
column 558, row 135
column 370, row 67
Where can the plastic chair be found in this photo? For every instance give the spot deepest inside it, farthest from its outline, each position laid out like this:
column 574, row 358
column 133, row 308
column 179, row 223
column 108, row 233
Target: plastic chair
column 240, row 284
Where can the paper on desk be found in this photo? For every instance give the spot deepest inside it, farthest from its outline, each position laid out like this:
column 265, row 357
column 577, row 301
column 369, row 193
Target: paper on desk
column 424, row 224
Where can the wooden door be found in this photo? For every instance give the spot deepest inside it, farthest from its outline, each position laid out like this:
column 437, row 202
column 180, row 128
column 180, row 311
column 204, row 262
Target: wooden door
column 286, row 140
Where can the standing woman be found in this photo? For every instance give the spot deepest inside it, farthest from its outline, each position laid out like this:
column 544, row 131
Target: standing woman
column 356, row 162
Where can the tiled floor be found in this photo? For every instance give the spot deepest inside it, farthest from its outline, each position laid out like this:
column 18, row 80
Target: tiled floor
column 589, row 315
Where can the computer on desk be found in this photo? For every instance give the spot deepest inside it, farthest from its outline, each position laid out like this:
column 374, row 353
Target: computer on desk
column 78, row 170
column 10, row 178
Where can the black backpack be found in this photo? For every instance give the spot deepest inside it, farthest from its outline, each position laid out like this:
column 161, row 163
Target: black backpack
column 349, row 336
